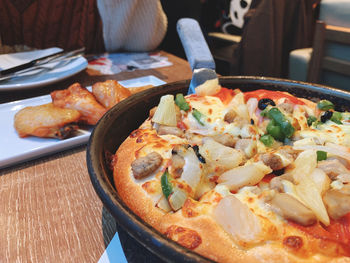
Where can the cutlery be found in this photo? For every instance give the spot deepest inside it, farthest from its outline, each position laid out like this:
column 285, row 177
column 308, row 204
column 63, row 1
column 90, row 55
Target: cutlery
column 41, row 61
column 50, row 64
column 197, row 52
column 39, row 70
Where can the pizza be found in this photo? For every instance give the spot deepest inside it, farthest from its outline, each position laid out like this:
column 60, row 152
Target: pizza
column 260, row 176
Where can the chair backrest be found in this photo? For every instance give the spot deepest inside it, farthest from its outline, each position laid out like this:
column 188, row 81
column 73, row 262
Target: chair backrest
column 330, row 60
column 335, row 12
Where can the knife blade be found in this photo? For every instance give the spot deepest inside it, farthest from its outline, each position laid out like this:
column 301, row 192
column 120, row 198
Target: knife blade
column 33, row 71
column 197, row 52
column 42, row 61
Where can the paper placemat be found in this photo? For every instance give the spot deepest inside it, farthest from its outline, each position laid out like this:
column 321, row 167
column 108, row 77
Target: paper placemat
column 113, row 63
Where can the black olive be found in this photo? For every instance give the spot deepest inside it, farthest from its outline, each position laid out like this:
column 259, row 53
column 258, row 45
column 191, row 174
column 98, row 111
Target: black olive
column 199, row 156
column 251, row 121
column 326, row 116
column 263, row 103
column 278, row 172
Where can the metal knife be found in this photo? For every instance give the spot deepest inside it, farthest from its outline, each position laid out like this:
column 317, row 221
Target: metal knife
column 197, row 52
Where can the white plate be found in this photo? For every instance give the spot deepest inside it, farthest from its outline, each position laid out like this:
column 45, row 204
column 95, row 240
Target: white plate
column 14, row 149
column 49, row 77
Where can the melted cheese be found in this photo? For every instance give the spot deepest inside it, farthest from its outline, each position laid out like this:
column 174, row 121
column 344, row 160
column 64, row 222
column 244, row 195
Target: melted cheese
column 214, row 123
column 257, row 202
column 328, row 132
column 214, row 111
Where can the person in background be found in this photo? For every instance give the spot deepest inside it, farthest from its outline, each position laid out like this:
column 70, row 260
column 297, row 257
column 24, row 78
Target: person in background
column 99, row 25
column 133, row 25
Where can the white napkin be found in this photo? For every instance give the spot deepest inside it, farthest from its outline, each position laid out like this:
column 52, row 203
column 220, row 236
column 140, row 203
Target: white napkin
column 15, row 59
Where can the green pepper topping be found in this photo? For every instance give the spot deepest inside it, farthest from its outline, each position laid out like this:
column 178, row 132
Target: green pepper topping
column 336, row 117
column 325, row 105
column 181, row 102
column 287, row 129
column 167, row 187
column 276, row 115
column 275, row 131
column 267, row 139
column 310, row 120
column 321, row 155
column 198, row 116
column 280, row 120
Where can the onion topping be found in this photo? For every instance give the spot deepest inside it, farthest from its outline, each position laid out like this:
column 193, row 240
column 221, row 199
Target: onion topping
column 249, row 174
column 237, row 219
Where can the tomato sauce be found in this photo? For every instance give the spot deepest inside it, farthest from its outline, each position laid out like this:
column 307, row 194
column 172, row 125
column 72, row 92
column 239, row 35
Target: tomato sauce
column 274, row 95
column 267, row 178
column 225, row 95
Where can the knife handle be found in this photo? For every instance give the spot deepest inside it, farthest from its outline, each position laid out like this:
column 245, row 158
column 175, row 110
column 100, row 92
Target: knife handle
column 193, row 41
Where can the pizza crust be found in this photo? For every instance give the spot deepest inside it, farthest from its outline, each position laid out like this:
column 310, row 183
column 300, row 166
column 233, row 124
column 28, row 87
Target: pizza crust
column 131, row 193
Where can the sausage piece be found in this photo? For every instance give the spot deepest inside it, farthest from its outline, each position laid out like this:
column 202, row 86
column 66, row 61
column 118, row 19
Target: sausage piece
column 144, row 166
column 177, row 164
column 332, row 168
column 272, row 160
column 337, row 203
column 230, row 116
column 226, row 139
column 164, row 130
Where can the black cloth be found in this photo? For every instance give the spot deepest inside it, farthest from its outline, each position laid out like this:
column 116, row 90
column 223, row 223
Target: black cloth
column 272, row 29
column 174, row 11
column 215, row 14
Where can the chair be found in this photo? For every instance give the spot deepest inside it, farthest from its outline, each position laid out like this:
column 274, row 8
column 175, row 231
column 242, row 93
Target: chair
column 330, row 60
column 222, row 47
column 332, row 12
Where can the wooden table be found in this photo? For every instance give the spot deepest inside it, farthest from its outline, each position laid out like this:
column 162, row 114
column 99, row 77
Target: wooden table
column 49, row 211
